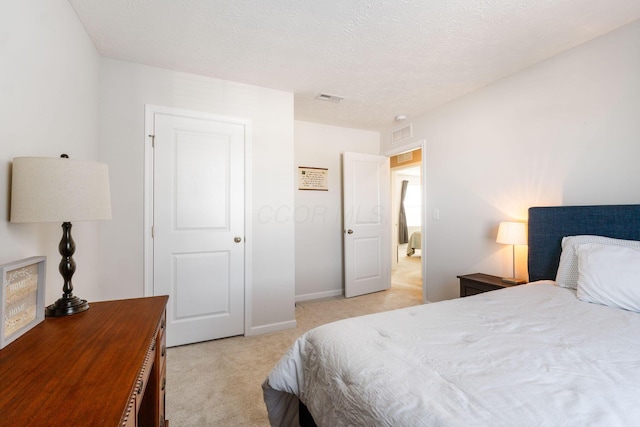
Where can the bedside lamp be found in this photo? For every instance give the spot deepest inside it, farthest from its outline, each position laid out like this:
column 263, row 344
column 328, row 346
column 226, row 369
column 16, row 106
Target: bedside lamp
column 512, row 233
column 49, row 189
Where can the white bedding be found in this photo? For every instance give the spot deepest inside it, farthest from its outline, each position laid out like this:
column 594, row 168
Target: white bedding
column 530, row 355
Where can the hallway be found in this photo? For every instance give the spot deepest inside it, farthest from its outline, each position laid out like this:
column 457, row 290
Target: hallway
column 409, row 268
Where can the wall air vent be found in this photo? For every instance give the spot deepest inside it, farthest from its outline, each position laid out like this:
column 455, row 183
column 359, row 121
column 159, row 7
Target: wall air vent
column 405, row 157
column 401, row 133
column 331, row 98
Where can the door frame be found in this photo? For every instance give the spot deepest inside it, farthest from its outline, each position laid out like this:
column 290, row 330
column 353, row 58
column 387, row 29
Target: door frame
column 149, row 112
column 423, row 181
column 395, row 204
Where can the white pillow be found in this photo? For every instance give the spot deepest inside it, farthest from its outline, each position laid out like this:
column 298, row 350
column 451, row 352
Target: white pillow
column 567, row 274
column 609, row 275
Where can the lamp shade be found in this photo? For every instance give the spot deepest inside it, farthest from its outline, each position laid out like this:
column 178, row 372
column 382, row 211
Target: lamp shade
column 512, row 233
column 49, row 189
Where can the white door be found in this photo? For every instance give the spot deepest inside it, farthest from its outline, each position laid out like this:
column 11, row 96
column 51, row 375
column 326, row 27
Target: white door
column 198, row 226
column 367, row 247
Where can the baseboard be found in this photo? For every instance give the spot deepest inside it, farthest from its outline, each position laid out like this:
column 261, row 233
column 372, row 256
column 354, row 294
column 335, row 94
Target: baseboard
column 319, row 295
column 273, row 327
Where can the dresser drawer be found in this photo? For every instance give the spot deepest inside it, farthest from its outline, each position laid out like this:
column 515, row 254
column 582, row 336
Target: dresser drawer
column 477, row 283
column 153, row 407
column 143, row 379
column 161, row 360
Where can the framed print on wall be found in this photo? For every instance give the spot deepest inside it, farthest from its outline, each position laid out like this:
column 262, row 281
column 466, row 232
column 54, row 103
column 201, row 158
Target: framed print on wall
column 313, row 178
column 22, row 295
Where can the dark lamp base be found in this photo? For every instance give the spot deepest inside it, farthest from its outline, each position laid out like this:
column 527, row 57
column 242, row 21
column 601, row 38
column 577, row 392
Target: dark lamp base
column 513, row 280
column 66, row 307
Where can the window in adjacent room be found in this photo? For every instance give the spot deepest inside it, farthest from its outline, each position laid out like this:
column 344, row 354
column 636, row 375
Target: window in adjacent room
column 412, row 205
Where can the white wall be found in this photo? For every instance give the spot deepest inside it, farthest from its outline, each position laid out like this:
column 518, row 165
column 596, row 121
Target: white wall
column 125, row 89
column 563, row 132
column 318, row 214
column 48, row 106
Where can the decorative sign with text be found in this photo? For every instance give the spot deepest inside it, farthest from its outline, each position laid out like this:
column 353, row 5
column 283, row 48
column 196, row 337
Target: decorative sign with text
column 22, row 297
column 313, row 178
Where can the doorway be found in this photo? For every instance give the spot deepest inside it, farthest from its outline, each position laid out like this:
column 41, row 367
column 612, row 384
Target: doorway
column 406, row 201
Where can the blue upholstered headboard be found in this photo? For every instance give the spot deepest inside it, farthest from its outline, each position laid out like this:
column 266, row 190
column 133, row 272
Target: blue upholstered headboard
column 548, row 225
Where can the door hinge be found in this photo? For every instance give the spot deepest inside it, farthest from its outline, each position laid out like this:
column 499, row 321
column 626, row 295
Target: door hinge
column 153, row 229
column 153, row 140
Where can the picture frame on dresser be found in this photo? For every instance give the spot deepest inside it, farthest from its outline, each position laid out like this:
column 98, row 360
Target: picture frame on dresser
column 22, row 297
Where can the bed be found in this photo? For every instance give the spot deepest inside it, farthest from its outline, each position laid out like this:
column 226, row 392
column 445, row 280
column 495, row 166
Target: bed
column 561, row 350
column 415, row 242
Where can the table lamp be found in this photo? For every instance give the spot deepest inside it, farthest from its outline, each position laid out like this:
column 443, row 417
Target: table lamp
column 49, row 189
column 512, row 233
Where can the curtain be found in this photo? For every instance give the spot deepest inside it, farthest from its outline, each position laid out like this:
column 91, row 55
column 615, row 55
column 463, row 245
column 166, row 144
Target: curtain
column 403, row 232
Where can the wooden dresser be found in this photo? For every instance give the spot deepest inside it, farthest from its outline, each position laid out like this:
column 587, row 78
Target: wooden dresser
column 103, row 367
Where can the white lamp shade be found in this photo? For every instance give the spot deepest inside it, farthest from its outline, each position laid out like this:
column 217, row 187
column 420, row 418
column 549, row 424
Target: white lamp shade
column 49, row 189
column 512, row 233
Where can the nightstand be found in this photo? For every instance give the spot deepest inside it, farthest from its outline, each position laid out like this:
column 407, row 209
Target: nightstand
column 477, row 283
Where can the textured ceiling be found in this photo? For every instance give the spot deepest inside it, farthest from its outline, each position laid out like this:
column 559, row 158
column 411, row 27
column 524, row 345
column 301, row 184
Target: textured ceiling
column 385, row 57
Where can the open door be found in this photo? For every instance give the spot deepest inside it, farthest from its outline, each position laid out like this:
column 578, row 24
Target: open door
column 366, row 219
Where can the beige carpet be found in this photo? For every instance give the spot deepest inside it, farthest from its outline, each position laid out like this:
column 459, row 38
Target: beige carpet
column 218, row 383
column 409, row 268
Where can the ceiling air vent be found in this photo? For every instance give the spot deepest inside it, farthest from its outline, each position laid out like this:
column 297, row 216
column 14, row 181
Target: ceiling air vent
column 401, row 133
column 331, row 98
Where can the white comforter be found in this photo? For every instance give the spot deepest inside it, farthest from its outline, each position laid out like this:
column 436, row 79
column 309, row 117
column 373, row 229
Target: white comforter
column 531, row 355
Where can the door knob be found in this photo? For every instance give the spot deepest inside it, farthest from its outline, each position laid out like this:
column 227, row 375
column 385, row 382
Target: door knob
column 349, row 231
column 237, row 239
